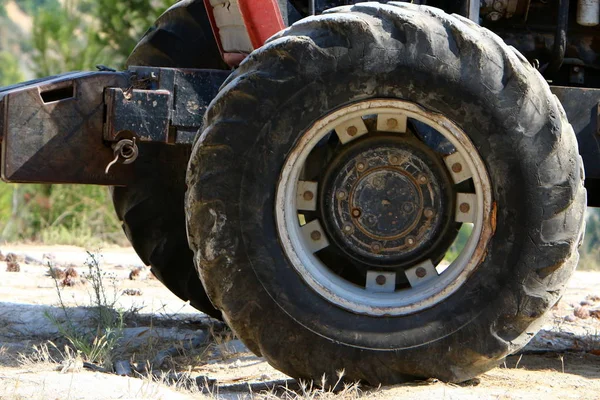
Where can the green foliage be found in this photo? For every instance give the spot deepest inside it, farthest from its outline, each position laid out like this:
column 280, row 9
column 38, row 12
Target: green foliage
column 80, row 34
column 60, row 214
column 63, row 41
column 121, row 23
column 67, row 36
column 95, row 345
column 31, row 7
column 459, row 243
column 10, row 72
column 590, row 250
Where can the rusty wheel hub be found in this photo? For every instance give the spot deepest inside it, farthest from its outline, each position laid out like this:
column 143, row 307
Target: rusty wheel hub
column 367, row 209
column 385, row 201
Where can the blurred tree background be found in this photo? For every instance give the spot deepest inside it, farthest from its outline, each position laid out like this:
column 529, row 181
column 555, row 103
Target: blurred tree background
column 46, row 37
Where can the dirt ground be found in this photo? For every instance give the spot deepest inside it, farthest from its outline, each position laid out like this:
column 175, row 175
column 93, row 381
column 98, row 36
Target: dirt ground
column 562, row 362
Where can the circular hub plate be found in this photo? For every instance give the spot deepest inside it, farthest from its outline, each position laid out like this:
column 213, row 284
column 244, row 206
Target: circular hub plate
column 384, row 200
column 347, row 222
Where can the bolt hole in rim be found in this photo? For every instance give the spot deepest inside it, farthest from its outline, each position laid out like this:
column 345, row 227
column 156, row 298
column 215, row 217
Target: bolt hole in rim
column 429, row 283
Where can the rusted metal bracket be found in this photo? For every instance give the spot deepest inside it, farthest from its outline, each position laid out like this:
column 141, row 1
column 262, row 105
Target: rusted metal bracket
column 61, row 129
column 161, row 104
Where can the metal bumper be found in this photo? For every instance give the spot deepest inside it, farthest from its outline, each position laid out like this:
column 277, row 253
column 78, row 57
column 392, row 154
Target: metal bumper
column 62, row 129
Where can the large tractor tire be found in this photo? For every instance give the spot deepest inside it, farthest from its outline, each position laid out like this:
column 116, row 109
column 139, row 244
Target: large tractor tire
column 152, row 208
column 319, row 204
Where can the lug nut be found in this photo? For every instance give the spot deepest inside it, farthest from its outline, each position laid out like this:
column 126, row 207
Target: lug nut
column 423, row 179
column 341, row 195
column 308, row 195
column 348, row 229
column 352, row 131
column 360, row 166
column 457, row 168
column 376, row 247
column 421, row 272
column 380, row 280
column 410, row 241
column 392, row 123
column 429, row 213
column 465, row 208
column 356, row 213
column 394, row 160
column 315, row 235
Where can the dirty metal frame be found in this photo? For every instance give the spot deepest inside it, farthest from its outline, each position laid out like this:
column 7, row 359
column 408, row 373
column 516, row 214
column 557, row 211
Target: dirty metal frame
column 85, row 127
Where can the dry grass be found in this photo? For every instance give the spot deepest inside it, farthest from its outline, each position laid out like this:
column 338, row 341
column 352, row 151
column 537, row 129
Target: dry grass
column 221, row 346
column 48, row 356
column 312, row 391
column 99, row 345
column 13, row 266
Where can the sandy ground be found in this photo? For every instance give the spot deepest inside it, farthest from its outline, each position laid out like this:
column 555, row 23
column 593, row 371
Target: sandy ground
column 562, row 362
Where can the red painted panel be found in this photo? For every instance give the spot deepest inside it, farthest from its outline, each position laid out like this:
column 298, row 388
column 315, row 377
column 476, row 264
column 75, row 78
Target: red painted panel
column 262, row 19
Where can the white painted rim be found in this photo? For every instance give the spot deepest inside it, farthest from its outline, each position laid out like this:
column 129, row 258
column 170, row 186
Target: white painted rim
column 344, row 293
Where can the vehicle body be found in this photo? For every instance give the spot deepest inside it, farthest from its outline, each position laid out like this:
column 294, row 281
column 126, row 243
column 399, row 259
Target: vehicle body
column 383, row 129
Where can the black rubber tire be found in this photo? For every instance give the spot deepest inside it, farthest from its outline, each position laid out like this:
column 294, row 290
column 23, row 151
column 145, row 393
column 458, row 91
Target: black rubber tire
column 446, row 64
column 152, row 208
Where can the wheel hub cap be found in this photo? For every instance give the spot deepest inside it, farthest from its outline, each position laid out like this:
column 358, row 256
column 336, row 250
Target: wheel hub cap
column 364, row 208
column 383, row 200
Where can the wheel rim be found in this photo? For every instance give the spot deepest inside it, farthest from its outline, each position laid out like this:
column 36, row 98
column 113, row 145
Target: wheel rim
column 396, row 273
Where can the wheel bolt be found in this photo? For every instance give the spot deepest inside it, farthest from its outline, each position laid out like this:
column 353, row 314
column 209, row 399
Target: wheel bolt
column 465, row 208
column 421, row 272
column 392, row 123
column 360, row 166
column 423, row 180
column 380, row 280
column 356, row 213
column 348, row 229
column 308, row 195
column 429, row 213
column 315, row 235
column 457, row 167
column 394, row 160
column 410, row 241
column 352, row 131
column 376, row 247
column 341, row 195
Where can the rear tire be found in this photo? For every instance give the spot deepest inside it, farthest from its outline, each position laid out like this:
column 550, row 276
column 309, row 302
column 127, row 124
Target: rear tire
column 152, row 208
column 446, row 66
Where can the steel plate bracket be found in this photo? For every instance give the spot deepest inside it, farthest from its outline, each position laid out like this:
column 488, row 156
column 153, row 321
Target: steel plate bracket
column 61, row 129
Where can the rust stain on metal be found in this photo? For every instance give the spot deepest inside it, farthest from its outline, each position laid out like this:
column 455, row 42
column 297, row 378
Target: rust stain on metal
column 352, row 131
column 465, row 208
column 457, row 167
column 493, row 215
